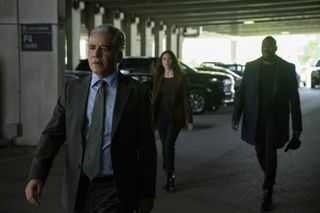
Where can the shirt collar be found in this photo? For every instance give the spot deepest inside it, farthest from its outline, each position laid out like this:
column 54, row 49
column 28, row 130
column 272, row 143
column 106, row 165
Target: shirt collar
column 111, row 80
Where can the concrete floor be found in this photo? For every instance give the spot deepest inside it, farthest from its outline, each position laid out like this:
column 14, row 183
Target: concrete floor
column 215, row 171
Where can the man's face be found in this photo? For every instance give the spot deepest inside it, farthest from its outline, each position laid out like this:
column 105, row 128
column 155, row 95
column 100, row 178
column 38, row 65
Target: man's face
column 268, row 49
column 103, row 56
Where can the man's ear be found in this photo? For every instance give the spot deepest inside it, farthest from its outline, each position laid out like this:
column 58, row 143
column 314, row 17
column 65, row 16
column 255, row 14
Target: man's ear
column 119, row 57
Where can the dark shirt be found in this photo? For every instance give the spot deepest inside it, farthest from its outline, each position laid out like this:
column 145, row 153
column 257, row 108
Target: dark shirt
column 267, row 73
column 166, row 94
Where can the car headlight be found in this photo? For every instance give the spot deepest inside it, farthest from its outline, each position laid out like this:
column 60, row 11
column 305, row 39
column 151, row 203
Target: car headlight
column 212, row 80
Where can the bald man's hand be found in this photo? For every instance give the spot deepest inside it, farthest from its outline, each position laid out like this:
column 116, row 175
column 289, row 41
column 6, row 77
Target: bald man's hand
column 33, row 191
column 235, row 125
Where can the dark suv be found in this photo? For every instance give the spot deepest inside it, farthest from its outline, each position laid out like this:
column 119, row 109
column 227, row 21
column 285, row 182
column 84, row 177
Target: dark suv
column 315, row 75
column 206, row 89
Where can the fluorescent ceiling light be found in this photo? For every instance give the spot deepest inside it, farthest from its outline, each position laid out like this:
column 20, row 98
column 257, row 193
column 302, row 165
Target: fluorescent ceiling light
column 248, row 22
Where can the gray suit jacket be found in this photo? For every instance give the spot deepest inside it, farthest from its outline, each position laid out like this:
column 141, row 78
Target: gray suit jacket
column 133, row 149
column 285, row 101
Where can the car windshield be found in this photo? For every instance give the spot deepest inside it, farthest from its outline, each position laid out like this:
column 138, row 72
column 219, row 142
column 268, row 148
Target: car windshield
column 186, row 68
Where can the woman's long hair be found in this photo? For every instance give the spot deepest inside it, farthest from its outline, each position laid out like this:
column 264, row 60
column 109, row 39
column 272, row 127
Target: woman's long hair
column 174, row 63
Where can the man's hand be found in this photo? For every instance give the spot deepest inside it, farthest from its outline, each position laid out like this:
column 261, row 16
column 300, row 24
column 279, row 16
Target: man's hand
column 145, row 206
column 235, row 125
column 33, row 191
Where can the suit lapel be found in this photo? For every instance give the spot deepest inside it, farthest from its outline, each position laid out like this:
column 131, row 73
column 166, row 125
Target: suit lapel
column 82, row 100
column 122, row 96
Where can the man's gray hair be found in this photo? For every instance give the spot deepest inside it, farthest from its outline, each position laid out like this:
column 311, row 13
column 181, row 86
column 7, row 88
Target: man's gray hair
column 118, row 39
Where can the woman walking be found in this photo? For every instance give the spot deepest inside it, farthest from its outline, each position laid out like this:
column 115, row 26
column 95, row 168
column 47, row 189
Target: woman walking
column 172, row 108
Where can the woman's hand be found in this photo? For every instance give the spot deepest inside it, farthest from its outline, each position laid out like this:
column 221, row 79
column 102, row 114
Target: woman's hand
column 189, row 126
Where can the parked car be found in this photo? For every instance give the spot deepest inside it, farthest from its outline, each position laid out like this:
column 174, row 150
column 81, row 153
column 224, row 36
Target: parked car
column 206, row 89
column 315, row 77
column 81, row 70
column 228, row 84
column 75, row 74
column 310, row 76
column 236, row 68
column 139, row 68
column 237, row 78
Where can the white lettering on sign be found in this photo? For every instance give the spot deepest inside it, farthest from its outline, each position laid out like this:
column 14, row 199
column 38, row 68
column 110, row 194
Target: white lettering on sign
column 31, row 46
column 27, row 38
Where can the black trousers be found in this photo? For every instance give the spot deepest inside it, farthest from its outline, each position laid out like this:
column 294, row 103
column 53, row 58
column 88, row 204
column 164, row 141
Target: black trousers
column 168, row 133
column 266, row 150
column 98, row 196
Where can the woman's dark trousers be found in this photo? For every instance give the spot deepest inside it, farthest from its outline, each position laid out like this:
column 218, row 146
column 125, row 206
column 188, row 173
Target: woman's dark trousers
column 168, row 133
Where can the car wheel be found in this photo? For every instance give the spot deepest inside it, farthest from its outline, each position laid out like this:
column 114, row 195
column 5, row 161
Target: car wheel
column 197, row 102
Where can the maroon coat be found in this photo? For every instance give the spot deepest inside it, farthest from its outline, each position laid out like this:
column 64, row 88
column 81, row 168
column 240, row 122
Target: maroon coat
column 180, row 111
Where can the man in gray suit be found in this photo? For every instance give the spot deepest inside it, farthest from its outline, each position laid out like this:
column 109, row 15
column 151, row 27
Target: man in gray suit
column 120, row 175
column 267, row 95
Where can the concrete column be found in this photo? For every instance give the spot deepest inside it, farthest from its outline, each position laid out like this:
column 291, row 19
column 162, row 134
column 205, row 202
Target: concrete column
column 10, row 82
column 146, row 37
column 143, row 31
column 172, row 39
column 109, row 16
column 84, row 38
column 179, row 42
column 132, row 37
column 156, row 33
column 98, row 17
column 118, row 20
column 127, row 32
column 233, row 51
column 159, row 37
column 150, row 39
column 88, row 15
column 92, row 17
column 30, row 76
column 73, row 31
column 169, row 37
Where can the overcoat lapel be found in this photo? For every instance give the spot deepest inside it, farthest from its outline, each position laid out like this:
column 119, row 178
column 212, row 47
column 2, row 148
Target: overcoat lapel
column 276, row 80
column 122, row 96
column 256, row 74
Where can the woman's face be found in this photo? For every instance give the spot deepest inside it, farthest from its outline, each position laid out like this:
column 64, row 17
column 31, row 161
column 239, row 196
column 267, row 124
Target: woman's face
column 166, row 61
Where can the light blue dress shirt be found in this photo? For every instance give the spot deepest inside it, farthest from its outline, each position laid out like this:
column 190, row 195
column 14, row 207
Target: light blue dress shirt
column 111, row 91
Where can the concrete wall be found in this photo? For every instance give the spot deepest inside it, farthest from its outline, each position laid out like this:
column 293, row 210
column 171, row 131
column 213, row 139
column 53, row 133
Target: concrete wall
column 29, row 80
column 9, row 84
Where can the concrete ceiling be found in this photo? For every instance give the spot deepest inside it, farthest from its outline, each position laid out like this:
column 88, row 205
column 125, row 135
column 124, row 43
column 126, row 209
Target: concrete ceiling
column 228, row 16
